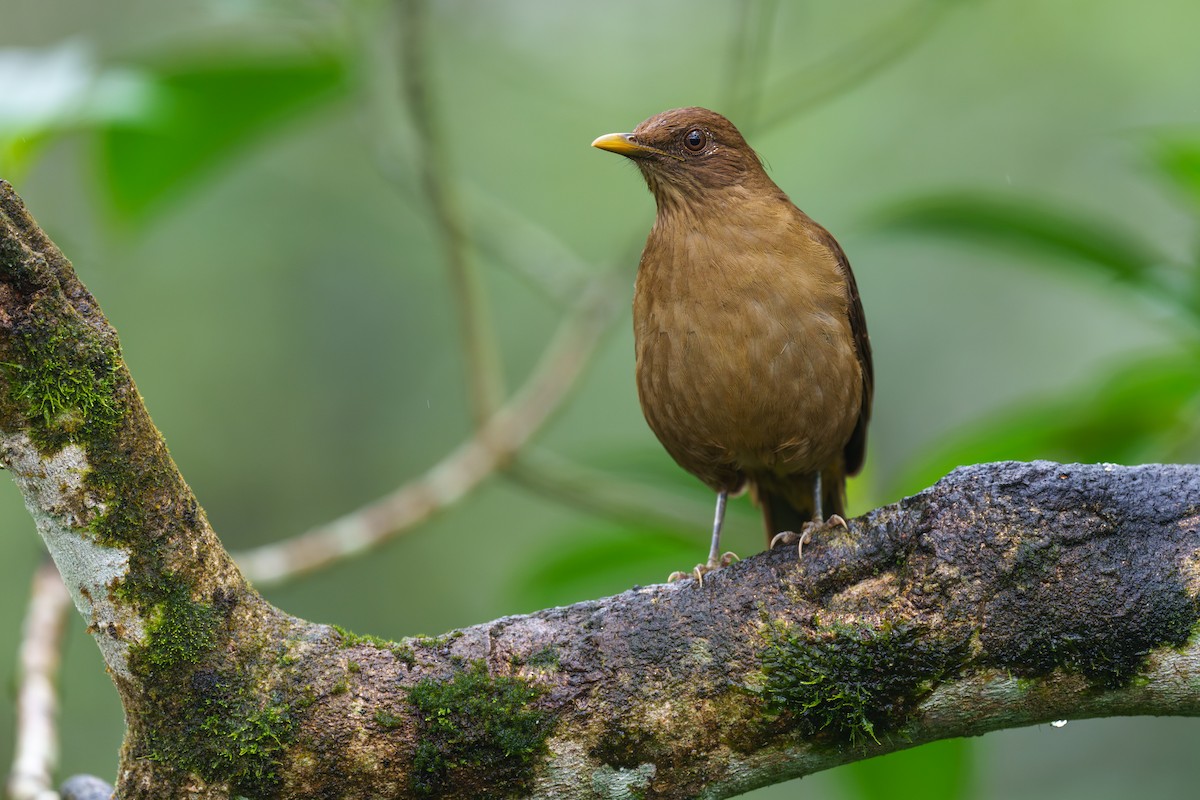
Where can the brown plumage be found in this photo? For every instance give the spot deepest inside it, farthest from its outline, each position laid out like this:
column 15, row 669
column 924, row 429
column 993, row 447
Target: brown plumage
column 753, row 361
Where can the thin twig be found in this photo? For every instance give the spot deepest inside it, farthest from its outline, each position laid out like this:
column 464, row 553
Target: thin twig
column 36, row 754
column 527, row 249
column 492, row 446
column 484, row 369
column 735, row 62
column 852, row 64
column 499, row 231
column 749, row 48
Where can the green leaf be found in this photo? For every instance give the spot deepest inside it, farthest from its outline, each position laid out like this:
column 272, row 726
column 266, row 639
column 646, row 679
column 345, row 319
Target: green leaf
column 1032, row 225
column 204, row 114
column 937, row 771
column 1179, row 160
column 49, row 91
column 836, row 74
column 1140, row 412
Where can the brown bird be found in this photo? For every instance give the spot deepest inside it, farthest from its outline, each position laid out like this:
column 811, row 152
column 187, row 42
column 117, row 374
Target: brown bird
column 753, row 361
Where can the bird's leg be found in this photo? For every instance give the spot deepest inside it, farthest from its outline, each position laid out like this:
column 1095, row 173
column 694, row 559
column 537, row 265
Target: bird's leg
column 718, row 523
column 716, row 559
column 817, row 505
column 805, row 534
column 835, row 520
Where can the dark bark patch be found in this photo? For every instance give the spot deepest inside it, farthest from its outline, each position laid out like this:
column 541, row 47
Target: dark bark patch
column 1072, row 585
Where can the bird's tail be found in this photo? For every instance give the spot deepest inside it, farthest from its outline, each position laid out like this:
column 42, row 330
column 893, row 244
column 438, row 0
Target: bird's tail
column 788, row 502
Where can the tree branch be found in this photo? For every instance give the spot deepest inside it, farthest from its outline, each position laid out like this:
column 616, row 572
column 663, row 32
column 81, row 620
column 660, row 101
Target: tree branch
column 485, row 379
column 1005, row 595
column 36, row 753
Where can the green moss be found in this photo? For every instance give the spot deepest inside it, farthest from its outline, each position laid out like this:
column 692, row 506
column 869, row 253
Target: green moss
column 546, row 658
column 245, row 740
column 480, row 735
column 308, row 699
column 226, row 734
column 625, row 745
column 402, row 652
column 113, row 527
column 179, row 631
column 24, row 273
column 388, row 720
column 351, row 639
column 62, row 377
column 851, row 681
column 436, row 642
column 213, row 723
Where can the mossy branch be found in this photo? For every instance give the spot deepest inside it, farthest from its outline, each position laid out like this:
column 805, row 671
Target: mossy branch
column 1007, row 594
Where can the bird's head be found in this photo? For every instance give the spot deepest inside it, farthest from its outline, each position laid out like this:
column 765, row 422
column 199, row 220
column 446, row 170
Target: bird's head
column 687, row 153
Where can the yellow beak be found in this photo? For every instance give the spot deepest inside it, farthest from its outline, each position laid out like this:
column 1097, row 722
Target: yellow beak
column 624, row 144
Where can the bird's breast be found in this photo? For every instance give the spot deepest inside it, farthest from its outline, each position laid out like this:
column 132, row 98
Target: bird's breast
column 745, row 359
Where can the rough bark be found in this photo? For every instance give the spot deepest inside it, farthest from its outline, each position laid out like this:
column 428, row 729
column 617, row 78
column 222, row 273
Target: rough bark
column 1005, row 595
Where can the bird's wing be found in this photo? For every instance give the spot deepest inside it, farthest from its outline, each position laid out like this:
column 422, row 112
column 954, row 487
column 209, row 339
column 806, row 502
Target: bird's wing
column 856, row 448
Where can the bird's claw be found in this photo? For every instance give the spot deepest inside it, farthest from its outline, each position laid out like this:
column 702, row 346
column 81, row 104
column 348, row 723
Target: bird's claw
column 701, row 570
column 724, row 561
column 791, row 537
column 805, row 535
column 697, row 573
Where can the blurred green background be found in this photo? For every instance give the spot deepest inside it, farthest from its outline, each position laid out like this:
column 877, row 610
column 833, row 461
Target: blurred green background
column 239, row 183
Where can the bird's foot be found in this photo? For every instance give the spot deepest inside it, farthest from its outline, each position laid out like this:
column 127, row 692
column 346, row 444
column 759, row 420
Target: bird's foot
column 703, row 569
column 805, row 534
column 791, row 537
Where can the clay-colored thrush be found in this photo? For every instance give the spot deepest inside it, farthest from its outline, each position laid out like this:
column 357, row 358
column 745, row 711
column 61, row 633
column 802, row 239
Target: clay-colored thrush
column 753, row 361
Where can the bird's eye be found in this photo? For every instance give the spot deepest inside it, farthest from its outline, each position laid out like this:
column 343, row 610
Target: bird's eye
column 695, row 139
